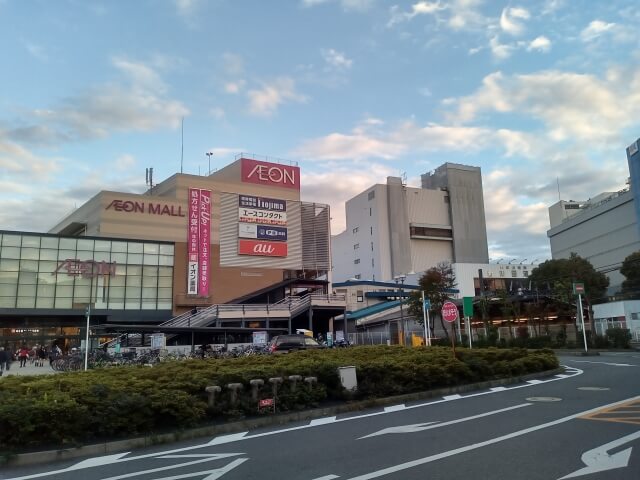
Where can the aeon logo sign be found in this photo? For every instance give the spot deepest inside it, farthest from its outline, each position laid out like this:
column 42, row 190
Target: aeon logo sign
column 261, row 248
column 274, row 174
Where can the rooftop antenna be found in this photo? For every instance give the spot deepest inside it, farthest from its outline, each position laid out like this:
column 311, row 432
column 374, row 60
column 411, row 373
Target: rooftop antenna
column 558, row 182
column 182, row 144
column 149, row 179
column 404, row 178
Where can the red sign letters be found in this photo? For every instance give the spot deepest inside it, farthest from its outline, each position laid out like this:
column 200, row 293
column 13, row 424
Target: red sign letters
column 273, row 174
column 262, row 248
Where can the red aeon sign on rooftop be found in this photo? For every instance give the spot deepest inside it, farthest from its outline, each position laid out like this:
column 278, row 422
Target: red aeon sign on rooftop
column 273, row 174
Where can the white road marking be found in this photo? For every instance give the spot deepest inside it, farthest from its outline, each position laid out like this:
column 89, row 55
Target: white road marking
column 97, row 461
column 235, row 437
column 452, row 397
column 535, row 382
column 227, row 438
column 498, row 389
column 509, row 436
column 562, row 375
column 213, row 474
column 174, row 466
column 327, row 477
column 418, row 427
column 394, row 408
column 598, row 460
column 606, row 363
column 322, row 421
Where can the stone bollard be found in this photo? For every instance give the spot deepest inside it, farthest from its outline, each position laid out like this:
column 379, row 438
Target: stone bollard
column 310, row 381
column 275, row 381
column 211, row 394
column 234, row 387
column 256, row 384
column 294, row 379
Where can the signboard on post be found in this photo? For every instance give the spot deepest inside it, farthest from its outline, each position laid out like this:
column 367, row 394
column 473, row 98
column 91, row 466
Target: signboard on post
column 449, row 312
column 467, row 306
column 578, row 288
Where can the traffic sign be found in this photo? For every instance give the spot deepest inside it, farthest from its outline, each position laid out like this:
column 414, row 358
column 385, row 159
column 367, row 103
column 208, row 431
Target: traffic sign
column 467, row 306
column 427, row 304
column 449, row 312
column 578, row 288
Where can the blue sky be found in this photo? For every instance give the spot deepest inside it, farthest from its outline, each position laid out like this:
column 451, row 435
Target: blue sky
column 534, row 92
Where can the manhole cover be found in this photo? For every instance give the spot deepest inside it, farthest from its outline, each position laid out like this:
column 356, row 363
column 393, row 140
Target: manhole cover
column 593, row 389
column 543, row 399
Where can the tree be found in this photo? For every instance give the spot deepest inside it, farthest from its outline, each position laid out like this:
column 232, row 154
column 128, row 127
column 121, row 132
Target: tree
column 437, row 284
column 631, row 270
column 557, row 277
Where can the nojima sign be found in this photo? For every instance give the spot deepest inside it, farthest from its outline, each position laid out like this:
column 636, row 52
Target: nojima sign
column 273, row 174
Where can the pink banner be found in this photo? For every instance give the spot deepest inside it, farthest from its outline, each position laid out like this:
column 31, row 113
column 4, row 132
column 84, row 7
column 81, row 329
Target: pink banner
column 204, row 242
column 193, row 240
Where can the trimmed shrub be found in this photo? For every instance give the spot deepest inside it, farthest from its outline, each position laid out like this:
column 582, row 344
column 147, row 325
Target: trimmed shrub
column 77, row 407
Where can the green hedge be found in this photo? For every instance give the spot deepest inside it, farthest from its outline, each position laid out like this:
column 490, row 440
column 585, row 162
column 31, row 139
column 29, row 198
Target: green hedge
column 79, row 407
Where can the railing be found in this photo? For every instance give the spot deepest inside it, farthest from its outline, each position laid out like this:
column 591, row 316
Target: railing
column 289, row 306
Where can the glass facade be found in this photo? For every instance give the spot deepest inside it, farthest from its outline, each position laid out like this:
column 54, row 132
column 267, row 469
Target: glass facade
column 50, row 272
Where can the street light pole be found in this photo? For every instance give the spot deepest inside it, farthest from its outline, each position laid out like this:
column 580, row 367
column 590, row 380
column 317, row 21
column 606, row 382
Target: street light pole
column 86, row 341
column 209, row 155
column 400, row 279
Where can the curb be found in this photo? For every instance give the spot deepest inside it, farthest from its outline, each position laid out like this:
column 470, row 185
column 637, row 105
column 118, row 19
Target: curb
column 48, row 456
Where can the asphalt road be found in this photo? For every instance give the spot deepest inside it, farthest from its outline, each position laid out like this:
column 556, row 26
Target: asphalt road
column 584, row 423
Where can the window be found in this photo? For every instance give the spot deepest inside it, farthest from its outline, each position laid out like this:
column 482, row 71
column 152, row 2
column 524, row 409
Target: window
column 356, row 246
column 372, row 263
column 371, row 230
column 514, row 273
column 371, row 195
column 502, row 273
column 360, row 296
column 356, row 261
column 372, row 246
column 446, row 199
column 355, row 230
column 415, row 231
column 370, row 211
column 634, row 316
column 357, row 277
column 526, row 274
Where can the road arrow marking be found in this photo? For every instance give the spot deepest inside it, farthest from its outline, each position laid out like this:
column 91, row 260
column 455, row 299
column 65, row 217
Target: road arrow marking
column 97, row 461
column 419, row 427
column 598, row 460
column 606, row 363
column 211, row 474
column 416, row 427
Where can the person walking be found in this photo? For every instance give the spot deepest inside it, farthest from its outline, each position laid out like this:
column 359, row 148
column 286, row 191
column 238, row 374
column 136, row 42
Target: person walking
column 42, row 354
column 4, row 360
column 23, row 355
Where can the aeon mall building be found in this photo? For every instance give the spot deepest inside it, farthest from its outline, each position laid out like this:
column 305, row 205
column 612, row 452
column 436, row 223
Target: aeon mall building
column 240, row 235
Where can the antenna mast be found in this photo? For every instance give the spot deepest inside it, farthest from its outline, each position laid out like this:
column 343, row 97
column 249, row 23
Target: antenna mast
column 182, row 144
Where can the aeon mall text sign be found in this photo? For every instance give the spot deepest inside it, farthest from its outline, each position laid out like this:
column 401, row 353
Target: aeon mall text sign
column 151, row 208
column 272, row 174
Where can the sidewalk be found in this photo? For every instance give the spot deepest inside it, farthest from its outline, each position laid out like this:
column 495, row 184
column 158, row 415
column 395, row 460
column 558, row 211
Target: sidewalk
column 29, row 369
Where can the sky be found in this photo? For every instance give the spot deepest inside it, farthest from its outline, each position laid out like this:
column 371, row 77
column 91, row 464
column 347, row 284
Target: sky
column 543, row 95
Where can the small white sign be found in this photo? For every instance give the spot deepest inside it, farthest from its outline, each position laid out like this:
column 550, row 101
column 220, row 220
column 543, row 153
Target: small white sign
column 247, row 230
column 633, row 148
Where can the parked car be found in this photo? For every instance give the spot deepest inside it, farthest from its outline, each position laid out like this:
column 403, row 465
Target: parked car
column 290, row 343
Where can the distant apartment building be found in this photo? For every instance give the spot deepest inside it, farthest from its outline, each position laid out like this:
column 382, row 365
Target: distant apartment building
column 393, row 230
column 603, row 229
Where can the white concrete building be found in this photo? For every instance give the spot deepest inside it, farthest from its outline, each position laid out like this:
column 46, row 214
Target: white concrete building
column 397, row 230
column 624, row 314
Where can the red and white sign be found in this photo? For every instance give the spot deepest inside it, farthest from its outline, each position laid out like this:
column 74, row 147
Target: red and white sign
column 193, row 240
column 204, row 251
column 262, row 248
column 273, row 174
column 449, row 312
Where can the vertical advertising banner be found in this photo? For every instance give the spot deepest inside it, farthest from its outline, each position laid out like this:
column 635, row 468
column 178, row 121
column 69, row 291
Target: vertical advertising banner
column 193, row 241
column 204, row 253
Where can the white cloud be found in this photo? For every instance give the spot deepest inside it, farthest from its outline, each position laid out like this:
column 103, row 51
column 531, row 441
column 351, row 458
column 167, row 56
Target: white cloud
column 338, row 146
column 336, row 59
column 225, row 152
column 511, row 20
column 568, row 105
column 18, row 162
column 500, row 51
column 542, row 44
column 186, row 8
column 125, row 162
column 37, row 51
column 141, row 75
column 347, row 5
column 265, row 101
column 234, row 87
column 595, row 29
column 217, row 112
column 420, row 8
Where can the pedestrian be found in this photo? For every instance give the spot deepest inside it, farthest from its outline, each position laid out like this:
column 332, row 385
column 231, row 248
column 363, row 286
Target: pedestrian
column 4, row 359
column 23, row 355
column 42, row 354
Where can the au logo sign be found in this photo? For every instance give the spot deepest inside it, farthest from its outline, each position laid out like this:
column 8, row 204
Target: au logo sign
column 262, row 248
